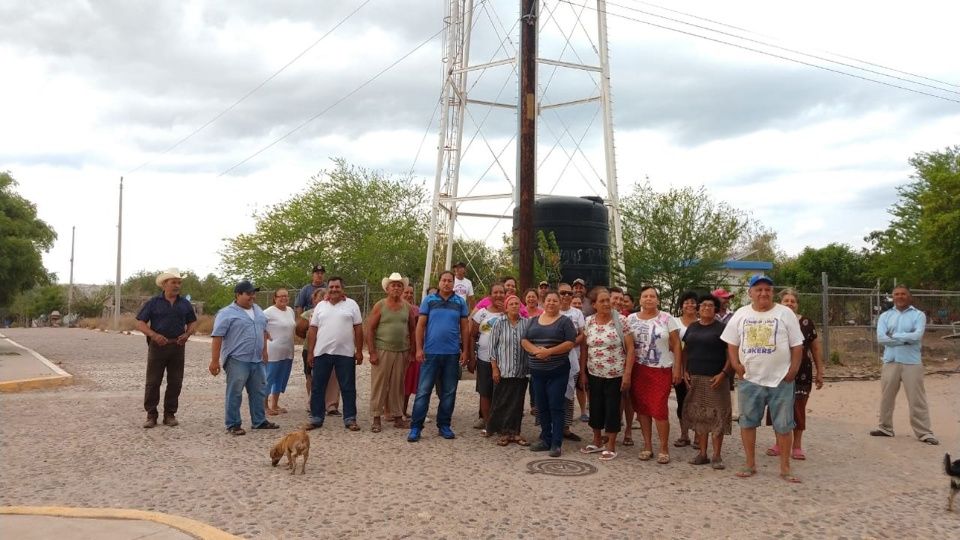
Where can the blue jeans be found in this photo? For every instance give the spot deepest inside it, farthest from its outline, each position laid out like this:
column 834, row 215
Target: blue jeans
column 549, row 389
column 447, row 366
column 346, row 370
column 240, row 375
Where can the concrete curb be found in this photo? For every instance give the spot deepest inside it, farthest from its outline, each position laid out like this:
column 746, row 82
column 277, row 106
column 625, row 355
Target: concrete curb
column 186, row 525
column 62, row 378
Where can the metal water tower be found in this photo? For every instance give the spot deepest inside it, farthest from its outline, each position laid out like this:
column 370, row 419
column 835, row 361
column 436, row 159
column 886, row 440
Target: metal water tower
column 449, row 202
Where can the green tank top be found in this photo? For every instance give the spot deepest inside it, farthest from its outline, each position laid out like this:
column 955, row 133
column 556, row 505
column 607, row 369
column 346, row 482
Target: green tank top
column 392, row 332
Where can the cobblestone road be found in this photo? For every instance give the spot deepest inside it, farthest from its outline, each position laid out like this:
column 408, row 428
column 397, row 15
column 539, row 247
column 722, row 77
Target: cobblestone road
column 83, row 446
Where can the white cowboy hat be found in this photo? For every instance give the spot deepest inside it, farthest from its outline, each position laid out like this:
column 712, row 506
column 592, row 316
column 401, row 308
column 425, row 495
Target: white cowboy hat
column 394, row 277
column 169, row 273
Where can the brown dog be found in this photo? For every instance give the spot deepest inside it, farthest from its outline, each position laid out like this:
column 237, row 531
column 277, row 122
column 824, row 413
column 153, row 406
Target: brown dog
column 292, row 445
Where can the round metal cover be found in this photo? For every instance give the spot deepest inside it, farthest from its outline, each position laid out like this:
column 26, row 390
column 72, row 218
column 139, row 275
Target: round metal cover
column 560, row 467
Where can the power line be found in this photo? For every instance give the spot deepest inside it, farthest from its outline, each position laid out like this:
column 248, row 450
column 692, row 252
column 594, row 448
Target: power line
column 767, row 53
column 862, row 61
column 343, row 98
column 787, row 49
column 253, row 90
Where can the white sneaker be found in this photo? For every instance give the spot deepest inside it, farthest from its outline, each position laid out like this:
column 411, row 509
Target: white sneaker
column 427, row 420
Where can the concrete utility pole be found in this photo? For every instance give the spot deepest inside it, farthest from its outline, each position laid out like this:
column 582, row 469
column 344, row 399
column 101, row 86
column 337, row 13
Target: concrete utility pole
column 73, row 238
column 527, row 140
column 116, row 287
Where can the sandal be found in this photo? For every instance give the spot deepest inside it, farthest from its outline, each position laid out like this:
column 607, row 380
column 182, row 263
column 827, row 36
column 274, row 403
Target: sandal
column 504, row 441
column 628, row 441
column 746, row 472
column 484, row 433
column 590, row 449
column 717, row 464
column 272, row 412
column 377, row 428
column 790, row 478
column 773, row 451
column 798, row 454
column 521, row 441
column 663, row 459
column 400, row 423
column 607, row 455
column 681, row 442
column 236, row 430
column 645, row 455
column 699, row 460
column 353, row 427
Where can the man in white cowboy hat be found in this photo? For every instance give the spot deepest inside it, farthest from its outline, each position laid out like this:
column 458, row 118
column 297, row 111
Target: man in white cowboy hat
column 167, row 320
column 391, row 329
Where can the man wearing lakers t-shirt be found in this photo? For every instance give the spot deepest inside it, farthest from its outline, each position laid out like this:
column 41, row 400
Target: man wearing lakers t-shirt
column 765, row 345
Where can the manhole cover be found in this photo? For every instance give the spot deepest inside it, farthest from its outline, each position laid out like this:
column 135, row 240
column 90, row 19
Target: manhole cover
column 560, row 467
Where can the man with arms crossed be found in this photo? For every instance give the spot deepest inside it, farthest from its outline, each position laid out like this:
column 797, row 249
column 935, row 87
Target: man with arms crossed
column 900, row 331
column 765, row 346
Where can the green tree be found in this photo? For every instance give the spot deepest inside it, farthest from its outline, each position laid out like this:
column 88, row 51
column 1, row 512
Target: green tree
column 921, row 246
column 39, row 301
column 844, row 266
column 546, row 262
column 360, row 224
column 23, row 239
column 678, row 239
column 211, row 290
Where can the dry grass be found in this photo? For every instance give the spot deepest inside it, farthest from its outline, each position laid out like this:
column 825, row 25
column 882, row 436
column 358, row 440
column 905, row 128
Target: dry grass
column 129, row 322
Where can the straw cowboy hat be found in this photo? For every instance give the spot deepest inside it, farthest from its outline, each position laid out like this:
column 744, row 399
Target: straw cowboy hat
column 394, row 277
column 169, row 273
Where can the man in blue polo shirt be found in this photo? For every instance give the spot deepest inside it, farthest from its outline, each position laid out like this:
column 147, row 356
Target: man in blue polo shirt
column 442, row 332
column 240, row 337
column 167, row 320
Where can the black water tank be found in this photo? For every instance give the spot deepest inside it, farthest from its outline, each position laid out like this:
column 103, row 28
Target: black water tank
column 582, row 230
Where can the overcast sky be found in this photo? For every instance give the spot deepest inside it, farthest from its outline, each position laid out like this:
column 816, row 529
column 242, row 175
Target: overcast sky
column 94, row 89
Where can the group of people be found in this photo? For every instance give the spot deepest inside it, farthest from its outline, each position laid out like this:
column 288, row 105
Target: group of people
column 566, row 343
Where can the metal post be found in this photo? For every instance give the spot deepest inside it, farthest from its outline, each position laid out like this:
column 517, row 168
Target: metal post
column 613, row 197
column 116, row 286
column 825, row 306
column 73, row 237
column 460, row 95
column 441, row 145
column 527, row 140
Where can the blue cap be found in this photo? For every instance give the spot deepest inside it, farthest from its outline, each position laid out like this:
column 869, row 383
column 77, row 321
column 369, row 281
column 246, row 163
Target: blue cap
column 757, row 278
column 245, row 287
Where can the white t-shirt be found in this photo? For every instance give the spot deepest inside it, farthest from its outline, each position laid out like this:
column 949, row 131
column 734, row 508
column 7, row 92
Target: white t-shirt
column 250, row 313
column 485, row 320
column 765, row 339
column 682, row 328
column 651, row 338
column 463, row 287
column 280, row 326
column 335, row 324
column 579, row 322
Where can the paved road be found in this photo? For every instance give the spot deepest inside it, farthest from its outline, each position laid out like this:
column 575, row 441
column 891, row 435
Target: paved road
column 83, row 446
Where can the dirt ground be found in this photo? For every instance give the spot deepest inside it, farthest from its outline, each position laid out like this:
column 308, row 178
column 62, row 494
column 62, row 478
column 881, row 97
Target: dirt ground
column 83, row 446
column 859, row 353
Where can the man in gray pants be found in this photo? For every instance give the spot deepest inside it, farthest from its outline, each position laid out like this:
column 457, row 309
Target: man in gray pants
column 900, row 331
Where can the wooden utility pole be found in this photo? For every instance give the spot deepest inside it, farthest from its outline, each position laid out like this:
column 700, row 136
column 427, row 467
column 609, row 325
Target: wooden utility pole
column 527, row 141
